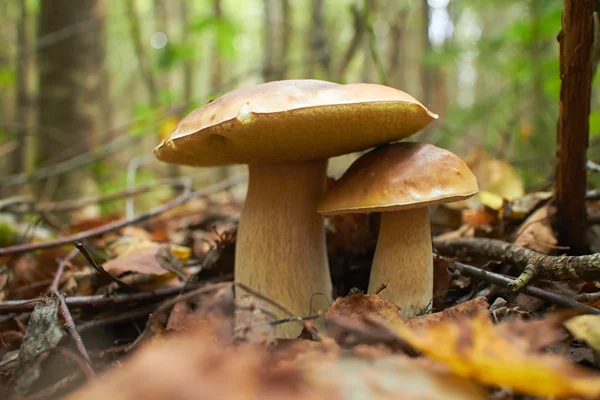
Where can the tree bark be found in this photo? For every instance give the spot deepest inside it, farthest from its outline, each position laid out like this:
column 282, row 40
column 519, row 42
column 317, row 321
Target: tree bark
column 140, row 52
column 216, row 73
column 70, row 89
column 277, row 25
column 23, row 110
column 318, row 47
column 426, row 71
column 188, row 65
column 396, row 50
column 575, row 41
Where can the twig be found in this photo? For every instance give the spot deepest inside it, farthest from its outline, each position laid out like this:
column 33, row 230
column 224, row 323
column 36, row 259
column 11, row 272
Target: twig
column 588, row 297
column 530, row 263
column 100, row 300
column 70, row 205
column 505, row 281
column 185, row 196
column 117, row 319
column 99, row 268
column 66, row 314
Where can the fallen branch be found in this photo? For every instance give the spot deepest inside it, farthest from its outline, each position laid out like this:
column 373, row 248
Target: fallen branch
column 531, row 264
column 102, row 300
column 185, row 196
column 505, row 281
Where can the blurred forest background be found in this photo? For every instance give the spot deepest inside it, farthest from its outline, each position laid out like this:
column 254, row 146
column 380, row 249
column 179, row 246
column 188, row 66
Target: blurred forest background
column 89, row 87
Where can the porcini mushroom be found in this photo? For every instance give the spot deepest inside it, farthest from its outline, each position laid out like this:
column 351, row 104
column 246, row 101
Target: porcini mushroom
column 400, row 181
column 285, row 131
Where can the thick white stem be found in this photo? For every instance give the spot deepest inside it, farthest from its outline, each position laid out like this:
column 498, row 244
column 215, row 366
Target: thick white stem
column 403, row 260
column 280, row 247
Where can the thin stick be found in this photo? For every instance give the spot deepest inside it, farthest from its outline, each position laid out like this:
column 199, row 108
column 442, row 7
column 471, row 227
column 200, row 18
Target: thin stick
column 531, row 263
column 99, row 268
column 101, row 300
column 66, row 314
column 69, row 205
column 185, row 196
column 503, row 281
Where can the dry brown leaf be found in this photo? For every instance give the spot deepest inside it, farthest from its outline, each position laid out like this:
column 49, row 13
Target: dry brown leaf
column 480, row 217
column 467, row 308
column 191, row 366
column 181, row 318
column 143, row 261
column 495, row 355
column 442, row 279
column 536, row 231
column 463, row 231
column 358, row 307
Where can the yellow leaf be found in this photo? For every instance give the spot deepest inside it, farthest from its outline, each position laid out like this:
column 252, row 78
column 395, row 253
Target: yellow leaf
column 478, row 349
column 126, row 245
column 586, row 327
column 167, row 126
column 495, row 178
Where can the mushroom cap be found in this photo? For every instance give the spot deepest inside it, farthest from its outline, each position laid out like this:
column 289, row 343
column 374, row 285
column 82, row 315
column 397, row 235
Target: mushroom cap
column 397, row 177
column 293, row 121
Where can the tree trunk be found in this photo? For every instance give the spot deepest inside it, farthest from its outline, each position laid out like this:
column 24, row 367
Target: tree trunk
column 23, row 112
column 161, row 21
column 70, row 89
column 318, row 47
column 140, row 52
column 575, row 41
column 426, row 71
column 396, row 50
column 277, row 25
column 188, row 65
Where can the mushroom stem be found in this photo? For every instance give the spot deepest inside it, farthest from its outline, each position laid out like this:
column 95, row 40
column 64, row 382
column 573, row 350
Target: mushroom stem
column 403, row 260
column 280, row 247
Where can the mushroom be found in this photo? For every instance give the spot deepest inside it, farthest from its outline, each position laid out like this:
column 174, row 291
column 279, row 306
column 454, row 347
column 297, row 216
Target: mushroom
column 400, row 181
column 286, row 131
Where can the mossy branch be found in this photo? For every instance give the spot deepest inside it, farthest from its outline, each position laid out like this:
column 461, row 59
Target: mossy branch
column 530, row 264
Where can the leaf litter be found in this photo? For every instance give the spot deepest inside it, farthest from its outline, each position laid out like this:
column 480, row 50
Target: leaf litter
column 481, row 340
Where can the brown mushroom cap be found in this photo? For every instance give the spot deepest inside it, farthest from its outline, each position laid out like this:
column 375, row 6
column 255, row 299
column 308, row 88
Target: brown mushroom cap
column 293, row 120
column 400, row 176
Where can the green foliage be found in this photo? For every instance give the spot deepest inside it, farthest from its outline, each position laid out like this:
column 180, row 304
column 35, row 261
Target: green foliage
column 225, row 30
column 7, row 77
column 173, row 54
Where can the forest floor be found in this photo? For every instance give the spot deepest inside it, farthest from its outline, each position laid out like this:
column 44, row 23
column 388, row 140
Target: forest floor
column 145, row 309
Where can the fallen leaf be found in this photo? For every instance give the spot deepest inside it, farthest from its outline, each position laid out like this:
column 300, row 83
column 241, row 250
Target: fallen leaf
column 398, row 377
column 519, row 209
column 586, row 328
column 442, row 278
column 190, row 366
column 536, row 231
column 467, row 308
column 358, row 307
column 145, row 261
column 497, row 180
column 44, row 332
column 476, row 348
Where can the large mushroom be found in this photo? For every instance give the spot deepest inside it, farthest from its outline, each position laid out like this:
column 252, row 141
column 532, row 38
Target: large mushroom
column 286, row 131
column 400, row 181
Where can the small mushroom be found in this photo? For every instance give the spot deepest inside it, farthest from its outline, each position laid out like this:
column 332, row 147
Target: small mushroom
column 400, row 181
column 286, row 131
